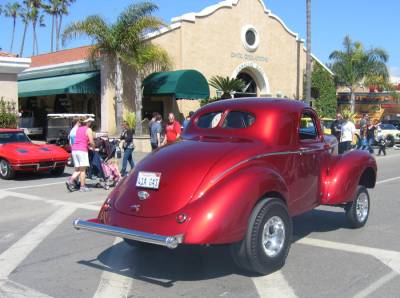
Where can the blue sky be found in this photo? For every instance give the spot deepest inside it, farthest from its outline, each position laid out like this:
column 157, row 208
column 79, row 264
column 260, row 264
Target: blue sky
column 371, row 22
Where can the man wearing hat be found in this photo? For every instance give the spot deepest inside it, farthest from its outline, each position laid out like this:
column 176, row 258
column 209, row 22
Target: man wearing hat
column 80, row 156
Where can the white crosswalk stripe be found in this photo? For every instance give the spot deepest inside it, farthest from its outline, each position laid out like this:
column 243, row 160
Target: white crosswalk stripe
column 11, row 289
column 13, row 256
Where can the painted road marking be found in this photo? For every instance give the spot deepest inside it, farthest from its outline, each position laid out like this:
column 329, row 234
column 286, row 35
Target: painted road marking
column 13, row 256
column 112, row 283
column 390, row 258
column 11, row 289
column 273, row 285
column 376, row 285
column 388, row 180
column 54, row 202
column 35, row 185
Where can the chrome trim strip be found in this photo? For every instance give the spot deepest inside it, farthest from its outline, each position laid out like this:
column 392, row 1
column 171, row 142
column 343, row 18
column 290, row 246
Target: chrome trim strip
column 305, row 150
column 167, row 241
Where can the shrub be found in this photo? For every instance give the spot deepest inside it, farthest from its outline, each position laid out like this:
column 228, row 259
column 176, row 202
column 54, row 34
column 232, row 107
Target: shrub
column 130, row 118
column 8, row 116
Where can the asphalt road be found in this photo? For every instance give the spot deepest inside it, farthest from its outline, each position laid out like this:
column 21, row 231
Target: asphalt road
column 41, row 255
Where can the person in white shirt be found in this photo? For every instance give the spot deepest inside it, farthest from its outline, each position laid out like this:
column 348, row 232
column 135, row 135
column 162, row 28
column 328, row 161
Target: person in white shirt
column 347, row 133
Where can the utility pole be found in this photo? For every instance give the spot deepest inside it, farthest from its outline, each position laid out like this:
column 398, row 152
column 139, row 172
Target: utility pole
column 308, row 64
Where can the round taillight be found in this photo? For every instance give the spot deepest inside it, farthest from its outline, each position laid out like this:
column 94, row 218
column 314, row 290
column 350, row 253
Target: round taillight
column 181, row 218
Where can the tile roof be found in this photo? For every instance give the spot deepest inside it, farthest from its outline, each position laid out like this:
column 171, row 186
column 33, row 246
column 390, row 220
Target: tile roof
column 62, row 56
column 5, row 54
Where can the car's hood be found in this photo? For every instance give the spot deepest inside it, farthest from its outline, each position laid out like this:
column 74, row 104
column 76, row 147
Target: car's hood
column 183, row 166
column 30, row 151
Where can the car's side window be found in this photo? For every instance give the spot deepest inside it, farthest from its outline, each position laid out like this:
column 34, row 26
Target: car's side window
column 308, row 127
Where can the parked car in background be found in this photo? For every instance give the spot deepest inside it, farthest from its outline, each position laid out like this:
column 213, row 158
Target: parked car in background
column 19, row 154
column 391, row 133
column 244, row 168
column 395, row 122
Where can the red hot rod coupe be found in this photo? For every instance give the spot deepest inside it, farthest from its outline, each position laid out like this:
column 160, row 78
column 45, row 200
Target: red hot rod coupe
column 243, row 169
column 19, row 154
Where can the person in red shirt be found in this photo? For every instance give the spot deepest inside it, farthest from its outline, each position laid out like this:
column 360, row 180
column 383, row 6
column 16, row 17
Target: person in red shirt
column 173, row 129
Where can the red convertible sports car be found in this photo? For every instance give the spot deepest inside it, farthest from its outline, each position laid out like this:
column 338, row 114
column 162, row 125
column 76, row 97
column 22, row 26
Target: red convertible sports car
column 19, row 154
column 243, row 169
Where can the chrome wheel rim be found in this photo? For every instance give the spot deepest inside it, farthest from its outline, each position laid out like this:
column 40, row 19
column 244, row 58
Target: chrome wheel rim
column 273, row 236
column 362, row 207
column 3, row 168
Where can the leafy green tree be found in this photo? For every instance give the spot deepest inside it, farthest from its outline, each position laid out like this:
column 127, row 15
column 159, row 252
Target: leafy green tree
column 53, row 8
column 324, row 92
column 37, row 19
column 226, row 85
column 123, row 42
column 12, row 11
column 354, row 64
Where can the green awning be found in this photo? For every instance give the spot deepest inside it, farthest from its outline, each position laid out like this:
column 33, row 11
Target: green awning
column 187, row 84
column 80, row 83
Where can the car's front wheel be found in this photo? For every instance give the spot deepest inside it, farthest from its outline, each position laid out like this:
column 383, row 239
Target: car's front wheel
column 267, row 241
column 6, row 171
column 390, row 141
column 357, row 212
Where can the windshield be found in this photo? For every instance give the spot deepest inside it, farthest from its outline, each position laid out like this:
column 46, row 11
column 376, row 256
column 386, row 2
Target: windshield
column 13, row 137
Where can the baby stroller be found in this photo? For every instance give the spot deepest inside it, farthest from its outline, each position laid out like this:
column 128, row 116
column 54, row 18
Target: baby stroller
column 107, row 174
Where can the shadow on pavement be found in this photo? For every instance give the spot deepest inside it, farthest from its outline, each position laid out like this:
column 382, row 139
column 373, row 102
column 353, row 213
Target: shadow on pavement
column 162, row 266
column 37, row 176
column 319, row 221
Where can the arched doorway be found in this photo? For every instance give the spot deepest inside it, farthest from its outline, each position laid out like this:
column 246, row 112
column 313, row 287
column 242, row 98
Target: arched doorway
column 250, row 89
column 255, row 77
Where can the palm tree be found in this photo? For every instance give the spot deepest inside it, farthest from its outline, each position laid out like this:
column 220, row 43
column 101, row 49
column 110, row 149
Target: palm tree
column 226, row 85
column 62, row 10
column 37, row 18
column 123, row 42
column 354, row 65
column 308, row 58
column 53, row 9
column 12, row 11
column 25, row 15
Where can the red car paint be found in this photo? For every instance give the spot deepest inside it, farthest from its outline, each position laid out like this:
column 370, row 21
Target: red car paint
column 215, row 176
column 26, row 156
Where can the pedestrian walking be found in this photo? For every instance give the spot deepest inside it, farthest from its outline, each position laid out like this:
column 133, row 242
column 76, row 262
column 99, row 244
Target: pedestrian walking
column 363, row 123
column 336, row 126
column 80, row 147
column 152, row 120
column 72, row 133
column 156, row 133
column 172, row 129
column 346, row 135
column 128, row 146
column 381, row 142
column 371, row 128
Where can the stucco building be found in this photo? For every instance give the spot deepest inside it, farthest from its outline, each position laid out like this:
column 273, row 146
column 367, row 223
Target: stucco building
column 235, row 38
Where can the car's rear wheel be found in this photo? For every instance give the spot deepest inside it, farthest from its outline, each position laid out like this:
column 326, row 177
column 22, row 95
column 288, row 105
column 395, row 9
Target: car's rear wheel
column 58, row 171
column 357, row 212
column 267, row 241
column 6, row 171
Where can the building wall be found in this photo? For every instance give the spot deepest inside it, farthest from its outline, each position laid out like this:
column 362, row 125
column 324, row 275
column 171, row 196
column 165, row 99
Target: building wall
column 213, row 46
column 9, row 87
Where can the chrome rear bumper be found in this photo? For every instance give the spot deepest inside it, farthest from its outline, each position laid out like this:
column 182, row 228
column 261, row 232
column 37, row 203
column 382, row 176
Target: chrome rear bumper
column 167, row 241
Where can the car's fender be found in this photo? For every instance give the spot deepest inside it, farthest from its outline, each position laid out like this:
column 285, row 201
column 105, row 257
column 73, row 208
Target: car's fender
column 344, row 173
column 221, row 214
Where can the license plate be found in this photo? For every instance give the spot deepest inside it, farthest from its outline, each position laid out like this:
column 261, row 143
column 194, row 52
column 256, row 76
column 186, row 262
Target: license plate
column 148, row 180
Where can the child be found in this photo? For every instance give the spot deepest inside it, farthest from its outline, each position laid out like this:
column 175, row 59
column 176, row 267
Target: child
column 381, row 142
column 115, row 173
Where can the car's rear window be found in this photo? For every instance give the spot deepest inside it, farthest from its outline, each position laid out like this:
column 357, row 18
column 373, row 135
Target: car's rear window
column 238, row 119
column 209, row 120
column 13, row 137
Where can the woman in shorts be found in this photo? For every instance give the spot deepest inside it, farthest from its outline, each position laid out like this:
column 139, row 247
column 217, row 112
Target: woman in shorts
column 80, row 156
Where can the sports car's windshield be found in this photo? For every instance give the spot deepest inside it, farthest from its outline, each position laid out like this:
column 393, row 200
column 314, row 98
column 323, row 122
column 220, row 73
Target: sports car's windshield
column 13, row 137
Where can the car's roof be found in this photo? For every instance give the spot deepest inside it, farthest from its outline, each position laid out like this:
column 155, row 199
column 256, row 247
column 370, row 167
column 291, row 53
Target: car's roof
column 253, row 103
column 10, row 129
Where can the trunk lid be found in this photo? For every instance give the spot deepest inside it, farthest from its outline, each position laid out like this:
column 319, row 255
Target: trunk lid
column 182, row 166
